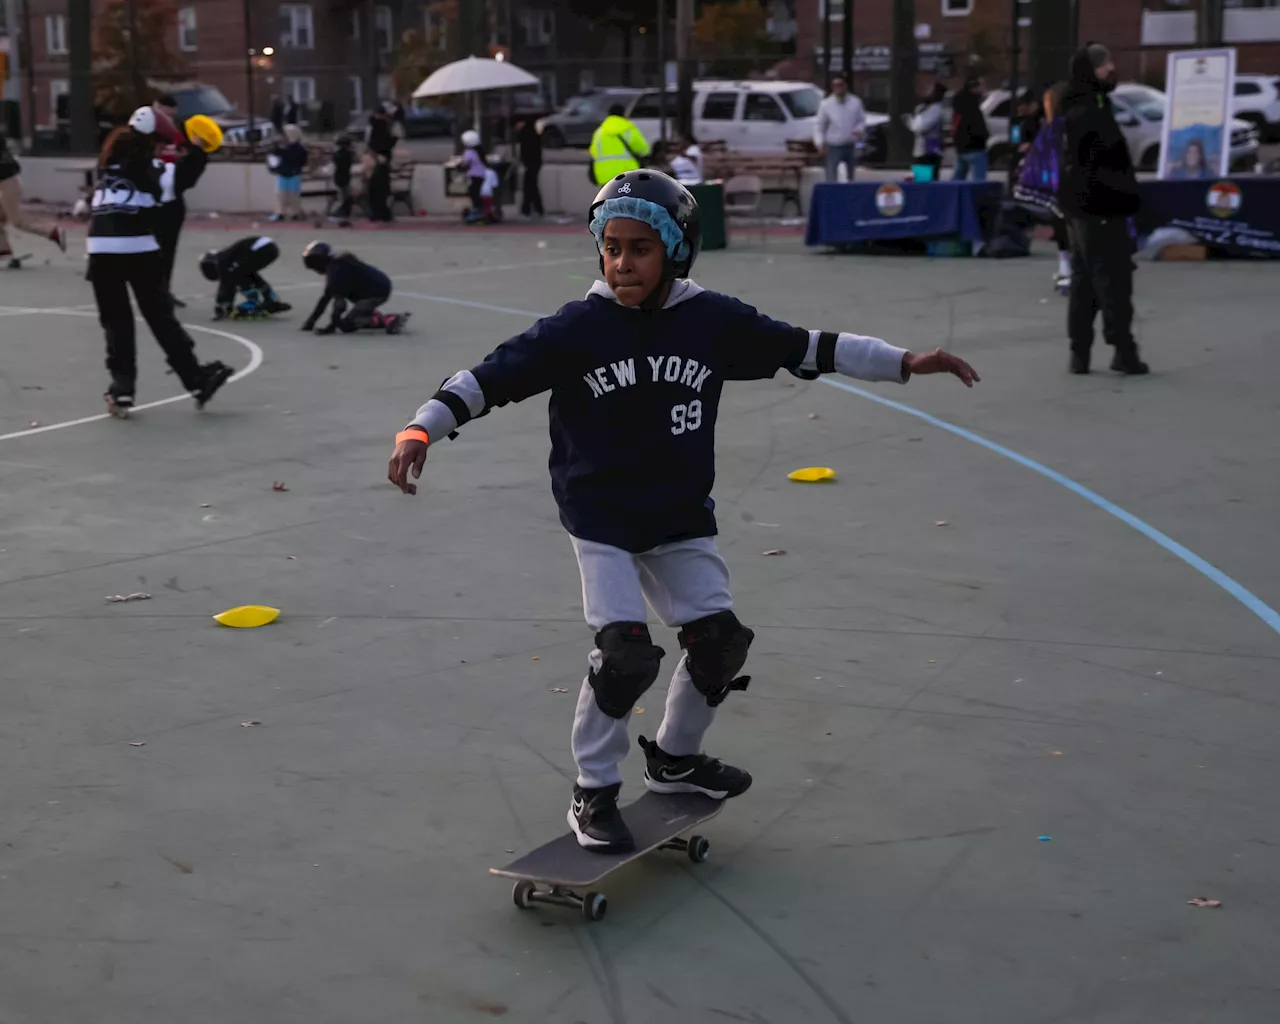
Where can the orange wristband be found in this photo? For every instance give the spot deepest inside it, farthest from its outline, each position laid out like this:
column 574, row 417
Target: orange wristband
column 413, row 434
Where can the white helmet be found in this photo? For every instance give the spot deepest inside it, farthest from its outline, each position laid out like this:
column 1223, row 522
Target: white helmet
column 471, row 138
column 143, row 121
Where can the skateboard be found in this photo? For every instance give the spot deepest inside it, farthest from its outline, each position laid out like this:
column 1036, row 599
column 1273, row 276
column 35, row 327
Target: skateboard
column 15, row 261
column 552, row 872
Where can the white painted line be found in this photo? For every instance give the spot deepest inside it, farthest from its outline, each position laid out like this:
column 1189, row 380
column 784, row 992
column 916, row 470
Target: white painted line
column 1246, row 597
column 255, row 360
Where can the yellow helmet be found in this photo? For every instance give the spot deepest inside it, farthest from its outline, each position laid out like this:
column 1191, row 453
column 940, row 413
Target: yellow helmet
column 204, row 132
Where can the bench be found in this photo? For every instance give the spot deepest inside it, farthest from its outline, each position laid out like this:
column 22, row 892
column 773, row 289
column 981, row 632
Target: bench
column 779, row 175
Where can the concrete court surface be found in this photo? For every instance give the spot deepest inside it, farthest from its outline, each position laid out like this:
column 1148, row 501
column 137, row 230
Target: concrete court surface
column 955, row 657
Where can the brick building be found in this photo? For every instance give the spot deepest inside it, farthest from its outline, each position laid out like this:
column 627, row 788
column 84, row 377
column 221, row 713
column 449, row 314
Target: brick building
column 958, row 35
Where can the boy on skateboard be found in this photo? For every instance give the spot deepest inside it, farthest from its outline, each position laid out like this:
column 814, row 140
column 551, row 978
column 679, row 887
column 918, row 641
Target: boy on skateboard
column 349, row 279
column 238, row 268
column 635, row 373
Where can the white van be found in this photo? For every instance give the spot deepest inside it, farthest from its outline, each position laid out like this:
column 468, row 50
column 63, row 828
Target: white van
column 748, row 117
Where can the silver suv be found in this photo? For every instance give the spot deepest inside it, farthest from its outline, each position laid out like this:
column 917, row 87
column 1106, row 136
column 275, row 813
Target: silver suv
column 577, row 120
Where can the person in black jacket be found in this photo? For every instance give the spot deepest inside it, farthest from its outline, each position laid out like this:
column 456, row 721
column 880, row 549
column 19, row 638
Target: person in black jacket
column 970, row 132
column 124, row 255
column 185, row 163
column 238, row 268
column 349, row 279
column 343, row 157
column 531, row 161
column 1098, row 193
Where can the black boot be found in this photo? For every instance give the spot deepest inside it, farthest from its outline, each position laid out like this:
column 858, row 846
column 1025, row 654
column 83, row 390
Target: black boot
column 596, row 821
column 215, row 375
column 1079, row 361
column 1126, row 361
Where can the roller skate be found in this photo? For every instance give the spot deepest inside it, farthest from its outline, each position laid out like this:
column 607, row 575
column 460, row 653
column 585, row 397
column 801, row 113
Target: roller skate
column 223, row 311
column 392, row 323
column 249, row 311
column 215, row 375
column 1062, row 284
column 272, row 304
column 15, row 261
column 119, row 399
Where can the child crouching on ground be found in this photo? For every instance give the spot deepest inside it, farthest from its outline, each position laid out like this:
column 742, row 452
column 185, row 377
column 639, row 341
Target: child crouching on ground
column 635, row 372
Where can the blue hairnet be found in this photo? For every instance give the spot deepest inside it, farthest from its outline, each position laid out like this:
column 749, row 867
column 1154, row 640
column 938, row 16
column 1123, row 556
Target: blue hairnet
column 635, row 208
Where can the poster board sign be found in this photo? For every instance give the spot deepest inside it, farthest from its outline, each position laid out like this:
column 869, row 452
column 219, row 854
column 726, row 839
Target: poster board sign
column 1195, row 141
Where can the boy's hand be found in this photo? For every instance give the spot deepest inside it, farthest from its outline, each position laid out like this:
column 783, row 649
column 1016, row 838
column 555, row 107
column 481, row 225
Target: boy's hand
column 940, row 361
column 308, row 325
column 409, row 455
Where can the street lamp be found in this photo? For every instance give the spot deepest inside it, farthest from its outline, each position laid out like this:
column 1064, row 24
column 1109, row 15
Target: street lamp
column 267, row 51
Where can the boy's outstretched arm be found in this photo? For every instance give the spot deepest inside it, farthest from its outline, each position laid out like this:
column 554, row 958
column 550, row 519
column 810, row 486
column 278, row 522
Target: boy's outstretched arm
column 520, row 368
column 310, row 322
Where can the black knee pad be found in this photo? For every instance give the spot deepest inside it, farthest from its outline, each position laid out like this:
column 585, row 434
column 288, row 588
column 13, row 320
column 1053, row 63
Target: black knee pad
column 717, row 649
column 628, row 667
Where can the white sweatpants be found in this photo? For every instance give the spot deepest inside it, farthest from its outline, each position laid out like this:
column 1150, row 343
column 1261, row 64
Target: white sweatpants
column 681, row 582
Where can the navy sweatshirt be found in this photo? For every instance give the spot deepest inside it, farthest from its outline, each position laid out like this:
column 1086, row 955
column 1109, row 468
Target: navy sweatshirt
column 634, row 401
column 350, row 279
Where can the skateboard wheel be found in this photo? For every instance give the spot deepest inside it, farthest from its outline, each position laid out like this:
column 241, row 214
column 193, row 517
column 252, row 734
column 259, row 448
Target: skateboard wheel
column 699, row 849
column 520, row 894
column 594, row 905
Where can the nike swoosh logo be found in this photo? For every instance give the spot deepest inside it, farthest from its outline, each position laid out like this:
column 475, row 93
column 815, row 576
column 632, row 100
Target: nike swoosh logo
column 672, row 776
column 578, row 805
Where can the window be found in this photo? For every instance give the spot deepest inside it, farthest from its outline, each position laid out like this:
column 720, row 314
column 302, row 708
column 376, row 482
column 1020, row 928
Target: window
column 437, row 27
column 303, row 90
column 802, row 102
column 719, row 106
column 382, row 28
column 295, row 27
column 538, row 27
column 59, row 88
column 647, row 106
column 956, row 8
column 586, row 81
column 762, row 107
column 1248, row 88
column 837, row 10
column 547, row 88
column 55, row 33
column 187, row 29
column 355, row 24
column 357, row 94
column 384, row 87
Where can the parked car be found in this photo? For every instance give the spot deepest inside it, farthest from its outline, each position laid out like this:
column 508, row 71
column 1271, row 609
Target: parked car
column 1140, row 114
column 428, row 122
column 1257, row 100
column 196, row 98
column 577, row 120
column 750, row 117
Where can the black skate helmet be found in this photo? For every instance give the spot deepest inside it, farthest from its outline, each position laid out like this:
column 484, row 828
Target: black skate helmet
column 664, row 192
column 316, row 256
column 209, row 265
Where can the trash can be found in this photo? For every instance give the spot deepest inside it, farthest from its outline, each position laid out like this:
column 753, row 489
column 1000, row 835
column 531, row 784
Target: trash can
column 711, row 205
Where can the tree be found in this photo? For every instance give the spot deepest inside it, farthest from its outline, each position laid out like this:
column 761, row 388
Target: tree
column 732, row 35
column 131, row 40
column 626, row 16
column 420, row 53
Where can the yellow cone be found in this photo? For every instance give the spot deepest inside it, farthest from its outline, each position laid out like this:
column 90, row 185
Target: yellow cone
column 247, row 616
column 204, row 132
column 812, row 475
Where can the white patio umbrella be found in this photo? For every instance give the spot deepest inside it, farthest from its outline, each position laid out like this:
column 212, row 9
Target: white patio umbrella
column 474, row 75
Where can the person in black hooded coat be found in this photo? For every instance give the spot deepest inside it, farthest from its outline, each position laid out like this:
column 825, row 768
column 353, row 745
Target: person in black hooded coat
column 1098, row 193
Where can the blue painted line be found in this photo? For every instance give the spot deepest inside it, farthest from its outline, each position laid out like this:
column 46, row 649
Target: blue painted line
column 1246, row 597
column 1251, row 601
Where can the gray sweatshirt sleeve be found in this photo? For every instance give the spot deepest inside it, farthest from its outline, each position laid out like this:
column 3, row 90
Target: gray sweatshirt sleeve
column 458, row 400
column 853, row 355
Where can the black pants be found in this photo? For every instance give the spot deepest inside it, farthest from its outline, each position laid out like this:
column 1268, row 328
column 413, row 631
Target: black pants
column 380, row 191
column 1101, row 279
column 344, row 200
column 245, row 274
column 168, row 227
column 1061, row 236
column 113, row 276
column 360, row 313
column 532, row 193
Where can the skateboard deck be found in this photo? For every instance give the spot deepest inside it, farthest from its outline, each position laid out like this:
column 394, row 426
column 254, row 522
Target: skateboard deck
column 656, row 821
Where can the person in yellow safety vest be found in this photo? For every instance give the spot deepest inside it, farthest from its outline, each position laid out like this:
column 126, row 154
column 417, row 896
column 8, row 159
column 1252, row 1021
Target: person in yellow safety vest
column 617, row 146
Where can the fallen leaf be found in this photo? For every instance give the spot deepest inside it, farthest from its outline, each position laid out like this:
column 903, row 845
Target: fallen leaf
column 940, row 522
column 34, row 423
column 1056, row 753
column 249, row 725
column 205, row 505
column 278, row 486
column 120, row 598
column 559, row 689
column 639, row 711
column 813, row 416
column 774, row 551
column 32, row 387
column 536, row 658
column 932, row 662
column 1200, row 901
column 137, row 743
column 291, row 558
